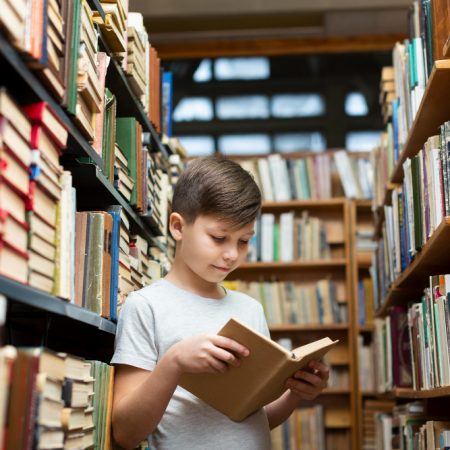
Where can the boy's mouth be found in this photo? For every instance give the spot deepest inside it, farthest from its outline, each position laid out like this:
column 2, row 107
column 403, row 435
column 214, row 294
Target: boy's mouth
column 222, row 269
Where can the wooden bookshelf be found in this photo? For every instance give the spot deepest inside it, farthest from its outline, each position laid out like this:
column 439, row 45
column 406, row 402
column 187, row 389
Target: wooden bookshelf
column 422, row 394
column 279, row 265
column 292, row 327
column 432, row 258
column 313, row 204
column 434, row 110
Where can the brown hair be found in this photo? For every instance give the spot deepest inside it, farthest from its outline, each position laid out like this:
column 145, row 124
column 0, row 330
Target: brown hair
column 217, row 186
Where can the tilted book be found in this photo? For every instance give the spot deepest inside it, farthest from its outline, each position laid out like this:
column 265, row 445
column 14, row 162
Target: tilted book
column 261, row 377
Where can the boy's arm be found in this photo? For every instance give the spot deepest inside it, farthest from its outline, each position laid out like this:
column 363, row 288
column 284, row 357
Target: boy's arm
column 302, row 385
column 141, row 396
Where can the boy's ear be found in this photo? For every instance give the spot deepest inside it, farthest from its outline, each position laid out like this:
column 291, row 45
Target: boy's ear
column 176, row 225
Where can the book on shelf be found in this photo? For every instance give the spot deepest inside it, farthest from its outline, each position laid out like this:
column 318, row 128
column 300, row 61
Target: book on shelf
column 259, row 379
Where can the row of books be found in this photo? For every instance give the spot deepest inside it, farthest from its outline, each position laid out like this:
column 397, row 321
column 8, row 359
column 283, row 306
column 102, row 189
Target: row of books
column 53, row 400
column 413, row 342
column 372, row 414
column 411, row 425
column 60, row 40
column 288, row 237
column 288, row 302
column 310, row 177
column 303, row 430
column 32, row 185
column 429, row 335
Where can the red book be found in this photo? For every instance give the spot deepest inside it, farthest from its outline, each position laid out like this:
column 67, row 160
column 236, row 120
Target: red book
column 41, row 140
column 41, row 113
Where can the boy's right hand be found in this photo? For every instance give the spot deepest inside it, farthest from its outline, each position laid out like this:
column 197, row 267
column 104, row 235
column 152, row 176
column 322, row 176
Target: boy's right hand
column 207, row 353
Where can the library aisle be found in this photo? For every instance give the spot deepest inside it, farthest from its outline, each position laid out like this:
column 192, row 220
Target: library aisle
column 342, row 117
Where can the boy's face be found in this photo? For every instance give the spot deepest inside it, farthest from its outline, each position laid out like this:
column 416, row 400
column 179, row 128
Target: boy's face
column 211, row 248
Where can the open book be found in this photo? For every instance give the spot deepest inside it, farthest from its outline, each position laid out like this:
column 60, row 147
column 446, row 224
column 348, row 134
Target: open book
column 259, row 379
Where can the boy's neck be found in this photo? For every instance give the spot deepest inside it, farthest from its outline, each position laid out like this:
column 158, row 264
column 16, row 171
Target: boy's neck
column 180, row 275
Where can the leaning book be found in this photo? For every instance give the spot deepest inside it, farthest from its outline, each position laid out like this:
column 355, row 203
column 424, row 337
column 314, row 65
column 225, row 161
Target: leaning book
column 261, row 377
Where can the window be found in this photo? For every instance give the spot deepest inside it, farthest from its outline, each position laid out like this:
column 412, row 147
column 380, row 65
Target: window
column 297, row 105
column 198, row 145
column 294, row 142
column 243, row 107
column 203, row 72
column 257, row 68
column 245, row 144
column 362, row 140
column 356, row 105
column 193, row 108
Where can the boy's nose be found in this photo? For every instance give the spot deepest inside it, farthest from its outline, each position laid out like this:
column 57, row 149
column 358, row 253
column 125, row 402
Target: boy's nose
column 230, row 254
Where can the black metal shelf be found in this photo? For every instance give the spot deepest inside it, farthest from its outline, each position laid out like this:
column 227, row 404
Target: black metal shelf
column 86, row 180
column 128, row 105
column 22, row 82
column 31, row 297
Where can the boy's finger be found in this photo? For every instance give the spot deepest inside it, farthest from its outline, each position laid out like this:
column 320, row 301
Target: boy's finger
column 225, row 356
column 319, row 368
column 230, row 344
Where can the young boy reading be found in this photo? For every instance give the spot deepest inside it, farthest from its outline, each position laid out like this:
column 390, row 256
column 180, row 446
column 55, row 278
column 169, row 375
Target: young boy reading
column 170, row 327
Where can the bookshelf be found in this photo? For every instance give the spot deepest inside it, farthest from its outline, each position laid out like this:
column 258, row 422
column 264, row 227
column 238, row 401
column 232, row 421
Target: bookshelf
column 361, row 219
column 433, row 111
column 339, row 403
column 35, row 317
column 410, row 289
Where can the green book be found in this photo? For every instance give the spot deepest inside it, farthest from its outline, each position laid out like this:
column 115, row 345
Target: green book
column 109, row 134
column 276, row 242
column 304, row 178
column 417, row 203
column 126, row 139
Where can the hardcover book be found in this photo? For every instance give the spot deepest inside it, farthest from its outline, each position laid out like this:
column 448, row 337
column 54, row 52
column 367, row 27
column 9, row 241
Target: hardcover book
column 261, row 377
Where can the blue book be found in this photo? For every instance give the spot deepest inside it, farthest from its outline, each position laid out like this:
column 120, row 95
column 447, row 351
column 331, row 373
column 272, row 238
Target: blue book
column 167, row 92
column 114, row 211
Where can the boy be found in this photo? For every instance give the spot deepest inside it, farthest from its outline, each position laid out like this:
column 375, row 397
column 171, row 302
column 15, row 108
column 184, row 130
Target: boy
column 170, row 327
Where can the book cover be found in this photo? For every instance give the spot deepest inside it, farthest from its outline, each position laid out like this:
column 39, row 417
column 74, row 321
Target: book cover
column 261, row 377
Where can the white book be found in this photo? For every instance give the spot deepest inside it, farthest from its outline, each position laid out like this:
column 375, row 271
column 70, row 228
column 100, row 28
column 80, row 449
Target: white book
column 437, row 187
column 280, row 178
column 346, row 174
column 287, row 236
column 267, row 241
column 266, row 182
column 409, row 200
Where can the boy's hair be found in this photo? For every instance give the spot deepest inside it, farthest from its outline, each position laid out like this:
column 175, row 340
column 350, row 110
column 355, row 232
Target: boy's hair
column 219, row 187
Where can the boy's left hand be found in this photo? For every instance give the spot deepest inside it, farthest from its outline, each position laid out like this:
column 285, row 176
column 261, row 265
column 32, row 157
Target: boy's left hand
column 308, row 383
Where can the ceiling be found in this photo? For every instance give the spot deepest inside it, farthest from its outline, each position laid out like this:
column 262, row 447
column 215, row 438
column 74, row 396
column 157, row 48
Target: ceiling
column 196, row 28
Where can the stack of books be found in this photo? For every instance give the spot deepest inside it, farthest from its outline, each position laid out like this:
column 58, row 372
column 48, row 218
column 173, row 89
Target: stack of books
column 77, row 394
column 114, row 26
column 13, row 21
column 48, row 204
column 15, row 159
column 93, row 262
column 125, row 284
column 53, row 74
column 289, row 238
column 321, row 302
column 154, row 105
column 90, row 95
column 138, row 49
column 122, row 181
column 387, row 92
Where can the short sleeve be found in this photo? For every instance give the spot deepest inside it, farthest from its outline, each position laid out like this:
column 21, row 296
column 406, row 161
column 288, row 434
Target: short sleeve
column 135, row 335
column 263, row 327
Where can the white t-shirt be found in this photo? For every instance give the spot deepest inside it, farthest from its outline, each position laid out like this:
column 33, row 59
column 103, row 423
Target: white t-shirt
column 151, row 321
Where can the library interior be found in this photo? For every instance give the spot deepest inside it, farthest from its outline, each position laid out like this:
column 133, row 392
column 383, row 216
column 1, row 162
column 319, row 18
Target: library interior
column 337, row 111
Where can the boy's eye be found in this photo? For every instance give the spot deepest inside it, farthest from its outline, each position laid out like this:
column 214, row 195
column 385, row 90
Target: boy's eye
column 218, row 238
column 243, row 242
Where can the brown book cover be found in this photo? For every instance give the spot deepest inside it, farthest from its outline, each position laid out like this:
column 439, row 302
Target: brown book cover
column 261, row 377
